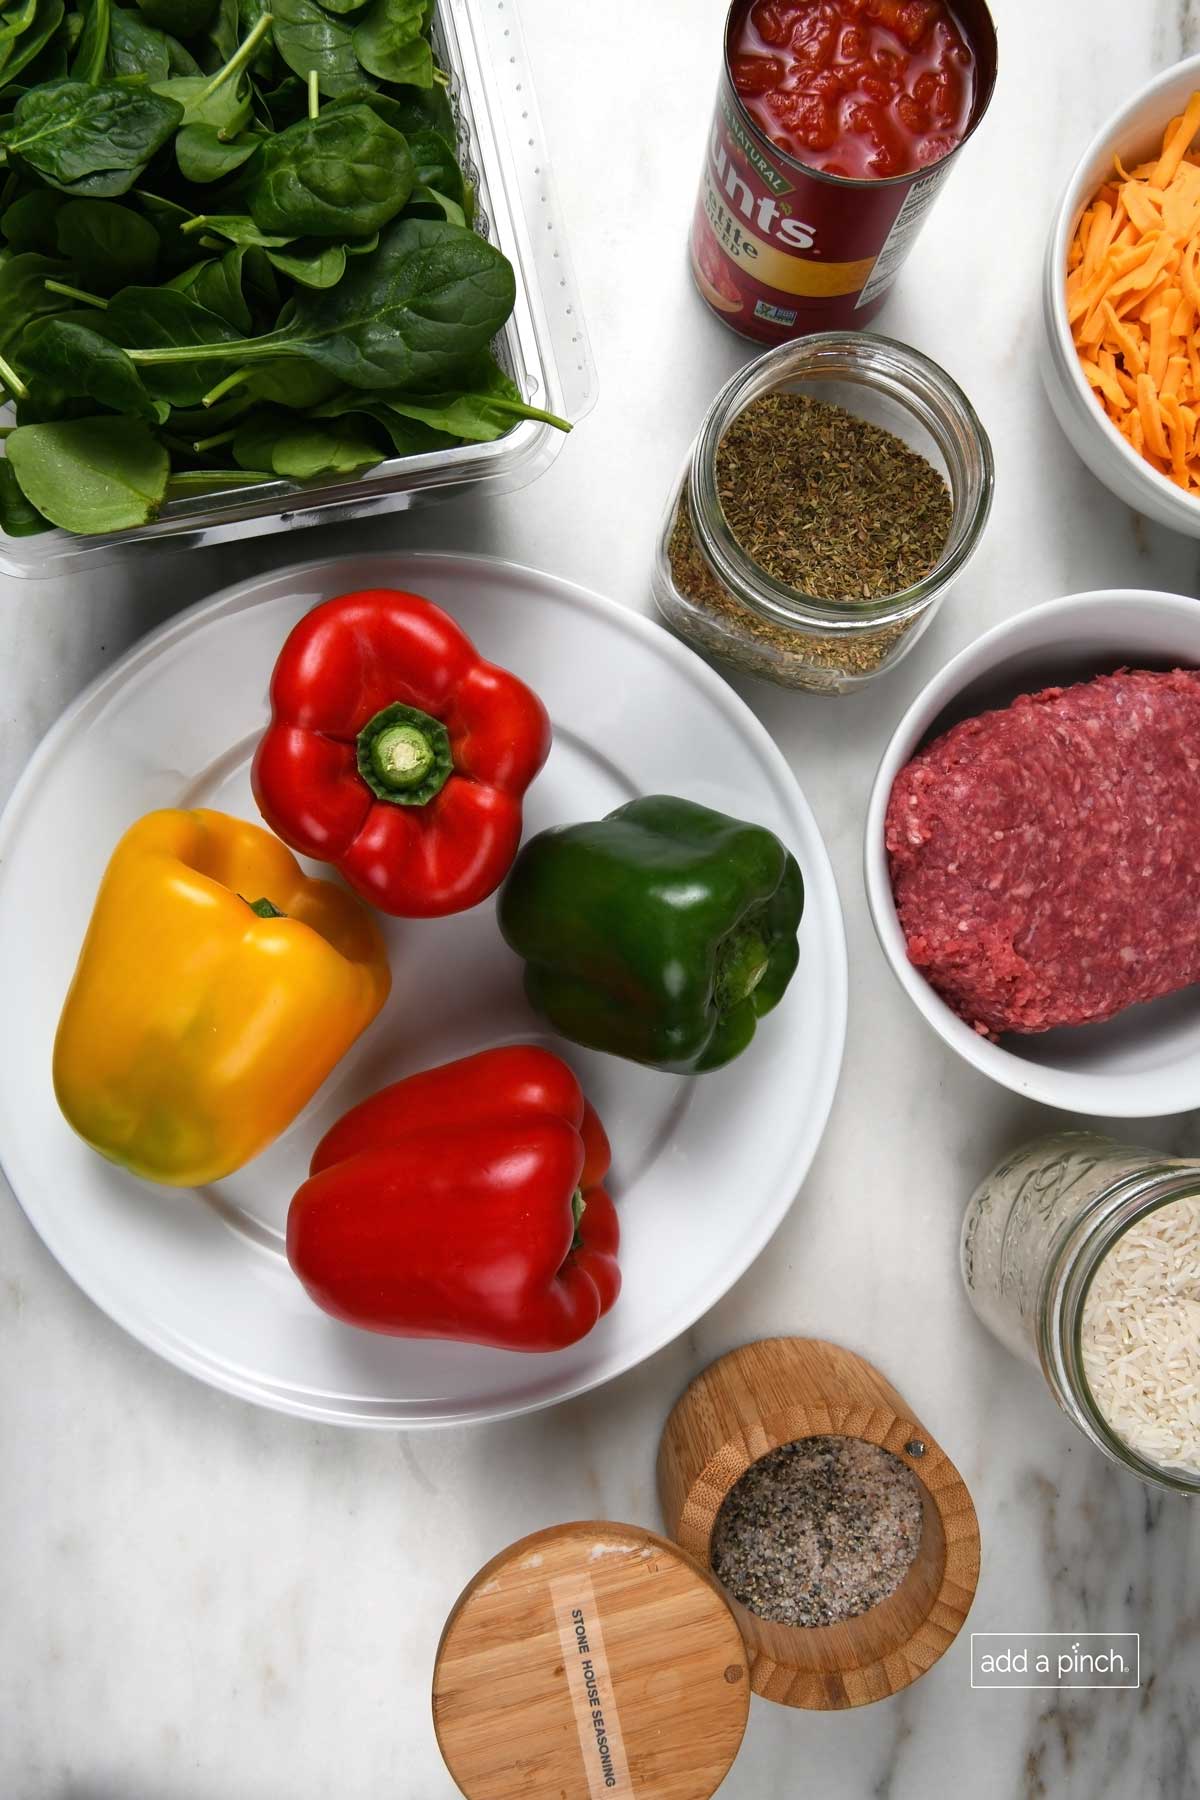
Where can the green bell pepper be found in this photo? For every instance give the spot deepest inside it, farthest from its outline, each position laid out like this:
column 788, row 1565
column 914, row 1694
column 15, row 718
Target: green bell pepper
column 661, row 933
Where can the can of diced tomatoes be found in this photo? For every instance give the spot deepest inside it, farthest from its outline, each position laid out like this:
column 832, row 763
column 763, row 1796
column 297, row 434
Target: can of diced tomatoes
column 836, row 123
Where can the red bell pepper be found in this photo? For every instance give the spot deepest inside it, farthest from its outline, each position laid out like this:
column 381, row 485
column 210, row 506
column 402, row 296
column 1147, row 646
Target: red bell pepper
column 464, row 1202
column 397, row 754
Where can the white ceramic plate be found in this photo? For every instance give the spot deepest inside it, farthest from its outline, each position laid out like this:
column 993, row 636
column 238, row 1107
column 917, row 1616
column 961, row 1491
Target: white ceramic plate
column 1146, row 1060
column 704, row 1170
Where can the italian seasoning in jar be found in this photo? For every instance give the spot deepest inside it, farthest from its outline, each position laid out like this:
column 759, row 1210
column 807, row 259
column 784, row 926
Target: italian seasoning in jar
column 837, row 488
column 1082, row 1255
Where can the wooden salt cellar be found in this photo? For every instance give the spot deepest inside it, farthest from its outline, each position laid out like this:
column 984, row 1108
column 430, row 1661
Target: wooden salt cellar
column 591, row 1661
column 772, row 1393
column 597, row 1661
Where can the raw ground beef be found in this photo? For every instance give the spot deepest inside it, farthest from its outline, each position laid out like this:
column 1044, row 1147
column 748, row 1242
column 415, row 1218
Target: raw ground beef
column 1046, row 859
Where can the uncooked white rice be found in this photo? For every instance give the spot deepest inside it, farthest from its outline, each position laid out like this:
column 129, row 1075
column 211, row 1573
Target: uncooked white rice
column 1141, row 1337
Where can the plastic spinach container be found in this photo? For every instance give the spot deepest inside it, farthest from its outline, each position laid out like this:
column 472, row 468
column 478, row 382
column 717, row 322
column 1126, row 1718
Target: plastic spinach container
column 543, row 347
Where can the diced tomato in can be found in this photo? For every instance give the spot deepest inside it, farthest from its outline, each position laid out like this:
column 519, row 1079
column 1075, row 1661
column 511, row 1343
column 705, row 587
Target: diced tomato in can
column 836, row 122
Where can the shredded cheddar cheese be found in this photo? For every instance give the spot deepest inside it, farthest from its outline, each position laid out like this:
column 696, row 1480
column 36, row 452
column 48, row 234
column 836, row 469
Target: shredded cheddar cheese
column 1133, row 301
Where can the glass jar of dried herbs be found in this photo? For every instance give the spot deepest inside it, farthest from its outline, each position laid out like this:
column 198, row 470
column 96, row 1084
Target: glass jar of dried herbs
column 838, row 487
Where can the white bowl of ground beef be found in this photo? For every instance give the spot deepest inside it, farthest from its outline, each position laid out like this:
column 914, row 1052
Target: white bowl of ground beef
column 1091, row 921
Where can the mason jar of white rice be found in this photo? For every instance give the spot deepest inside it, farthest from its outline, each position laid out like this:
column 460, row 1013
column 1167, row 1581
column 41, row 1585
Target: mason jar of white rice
column 1083, row 1255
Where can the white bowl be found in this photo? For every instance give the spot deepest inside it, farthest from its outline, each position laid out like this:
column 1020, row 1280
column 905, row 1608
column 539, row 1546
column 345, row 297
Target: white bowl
column 1146, row 1061
column 1133, row 134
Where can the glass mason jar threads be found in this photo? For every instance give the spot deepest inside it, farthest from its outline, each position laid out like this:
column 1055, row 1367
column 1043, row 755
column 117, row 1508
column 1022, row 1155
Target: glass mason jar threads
column 913, row 423
column 1054, row 1245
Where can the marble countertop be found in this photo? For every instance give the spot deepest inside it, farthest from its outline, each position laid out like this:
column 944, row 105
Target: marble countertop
column 203, row 1601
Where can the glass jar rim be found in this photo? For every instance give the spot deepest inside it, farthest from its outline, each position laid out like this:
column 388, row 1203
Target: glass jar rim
column 1066, row 1283
column 910, row 379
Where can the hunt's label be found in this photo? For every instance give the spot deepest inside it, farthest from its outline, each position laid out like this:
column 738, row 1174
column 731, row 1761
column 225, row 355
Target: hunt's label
column 589, row 1683
column 779, row 249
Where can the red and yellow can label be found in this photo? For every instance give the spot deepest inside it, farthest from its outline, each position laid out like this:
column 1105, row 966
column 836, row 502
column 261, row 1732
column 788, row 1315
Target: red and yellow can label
column 779, row 250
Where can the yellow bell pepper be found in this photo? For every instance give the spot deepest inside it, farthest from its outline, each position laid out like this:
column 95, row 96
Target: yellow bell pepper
column 196, row 1028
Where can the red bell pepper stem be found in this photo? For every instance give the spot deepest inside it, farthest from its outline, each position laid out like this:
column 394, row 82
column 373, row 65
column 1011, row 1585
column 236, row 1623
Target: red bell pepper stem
column 404, row 755
column 397, row 753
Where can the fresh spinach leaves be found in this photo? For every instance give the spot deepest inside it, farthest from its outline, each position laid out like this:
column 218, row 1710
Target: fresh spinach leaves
column 390, row 43
column 343, row 174
column 412, row 315
column 82, row 138
column 306, row 37
column 108, row 245
column 91, row 475
column 79, row 362
column 303, row 449
column 235, row 245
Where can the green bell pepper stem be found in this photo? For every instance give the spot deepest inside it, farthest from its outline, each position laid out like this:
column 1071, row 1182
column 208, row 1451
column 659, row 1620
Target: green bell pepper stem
column 263, row 908
column 741, row 964
column 404, row 755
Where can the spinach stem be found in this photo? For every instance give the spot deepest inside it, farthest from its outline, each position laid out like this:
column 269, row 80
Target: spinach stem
column 189, row 480
column 211, row 443
column 273, row 343
column 240, row 57
column 441, row 77
column 74, row 293
column 12, row 381
column 520, row 411
column 314, row 94
column 224, row 387
column 197, row 222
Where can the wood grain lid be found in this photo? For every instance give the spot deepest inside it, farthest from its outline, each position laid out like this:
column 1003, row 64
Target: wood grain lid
column 591, row 1661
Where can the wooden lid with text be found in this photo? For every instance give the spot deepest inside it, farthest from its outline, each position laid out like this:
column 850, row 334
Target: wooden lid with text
column 591, row 1661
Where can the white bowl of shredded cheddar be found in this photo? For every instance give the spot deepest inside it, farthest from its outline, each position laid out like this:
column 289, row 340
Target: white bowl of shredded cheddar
column 1121, row 302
